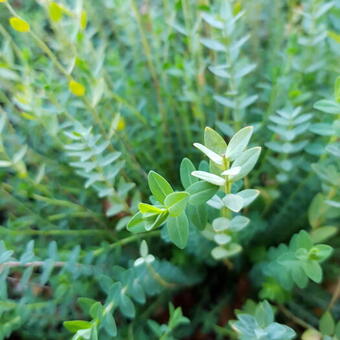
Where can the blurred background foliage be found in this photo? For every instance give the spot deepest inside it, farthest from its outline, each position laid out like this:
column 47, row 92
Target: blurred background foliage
column 134, row 83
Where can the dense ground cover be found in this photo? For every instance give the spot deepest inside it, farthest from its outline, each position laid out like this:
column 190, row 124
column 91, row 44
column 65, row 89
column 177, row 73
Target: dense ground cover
column 169, row 169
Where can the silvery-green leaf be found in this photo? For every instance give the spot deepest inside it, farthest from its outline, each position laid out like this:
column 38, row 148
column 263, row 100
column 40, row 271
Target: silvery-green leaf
column 220, row 224
column 246, row 161
column 215, row 202
column 209, row 153
column 4, row 164
column 239, row 142
column 233, row 202
column 238, row 223
column 232, row 171
column 138, row 262
column 214, row 141
column 248, row 101
column 213, row 44
column 208, row 177
column 219, row 253
column 248, row 196
column 220, row 71
column 328, row 106
column 212, row 21
column 225, row 101
column 143, row 249
column 222, row 239
column 245, row 70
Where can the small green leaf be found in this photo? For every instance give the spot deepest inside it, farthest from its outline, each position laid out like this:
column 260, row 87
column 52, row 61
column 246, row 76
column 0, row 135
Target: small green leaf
column 208, row 177
column 126, row 306
column 323, row 233
column 238, row 223
column 239, row 142
column 159, row 186
column 327, row 324
column 143, row 249
column 264, row 314
column 337, row 330
column 75, row 325
column 219, row 253
column 248, row 196
column 200, row 192
column 220, row 224
column 313, row 270
column 213, row 156
column 214, row 141
column 86, row 303
column 186, row 169
column 214, row 45
column 246, row 160
column 198, row 215
column 233, row 202
column 321, row 252
column 178, row 230
column 109, row 325
column 145, row 208
column 327, row 106
column 155, row 221
column 176, row 202
column 136, row 224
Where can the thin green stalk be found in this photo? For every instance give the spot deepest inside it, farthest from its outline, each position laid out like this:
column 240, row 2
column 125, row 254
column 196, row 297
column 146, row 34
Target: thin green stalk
column 127, row 240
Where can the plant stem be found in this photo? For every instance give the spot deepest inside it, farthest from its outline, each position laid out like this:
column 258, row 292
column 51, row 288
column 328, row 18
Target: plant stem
column 126, row 240
column 294, row 318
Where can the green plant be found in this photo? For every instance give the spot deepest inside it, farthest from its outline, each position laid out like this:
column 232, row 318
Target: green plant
column 113, row 225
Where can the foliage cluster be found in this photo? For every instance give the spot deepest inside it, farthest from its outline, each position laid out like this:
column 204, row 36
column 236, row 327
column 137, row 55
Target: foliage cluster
column 114, row 225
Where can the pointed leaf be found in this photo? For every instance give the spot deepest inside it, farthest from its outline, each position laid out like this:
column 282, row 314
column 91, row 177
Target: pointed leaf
column 178, row 230
column 210, row 154
column 239, row 142
column 176, row 202
column 208, row 177
column 159, row 186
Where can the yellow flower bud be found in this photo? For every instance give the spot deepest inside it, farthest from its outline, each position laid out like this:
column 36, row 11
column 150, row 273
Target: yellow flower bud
column 19, row 25
column 121, row 124
column 76, row 88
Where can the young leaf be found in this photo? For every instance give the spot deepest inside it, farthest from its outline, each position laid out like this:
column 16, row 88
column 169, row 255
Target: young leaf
column 246, row 161
column 178, row 230
column 155, row 221
column 198, row 216
column 232, row 171
column 159, row 186
column 208, row 177
column 213, row 156
column 109, row 325
column 200, row 192
column 233, row 202
column 186, row 169
column 176, row 202
column 327, row 324
column 75, row 325
column 126, row 306
column 327, row 106
column 214, row 141
column 248, row 196
column 220, row 224
column 145, row 208
column 136, row 224
column 313, row 270
column 238, row 142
